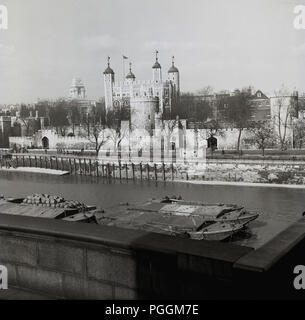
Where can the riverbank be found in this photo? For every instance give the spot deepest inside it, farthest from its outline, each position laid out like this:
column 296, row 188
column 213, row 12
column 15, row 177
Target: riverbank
column 36, row 170
column 243, row 184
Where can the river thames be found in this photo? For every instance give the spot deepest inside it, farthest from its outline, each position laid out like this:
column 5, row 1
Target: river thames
column 279, row 206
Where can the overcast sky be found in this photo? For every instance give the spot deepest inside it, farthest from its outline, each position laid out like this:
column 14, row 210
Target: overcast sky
column 221, row 43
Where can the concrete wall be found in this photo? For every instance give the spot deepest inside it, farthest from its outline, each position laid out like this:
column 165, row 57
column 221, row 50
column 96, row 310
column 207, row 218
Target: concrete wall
column 83, row 261
column 70, row 260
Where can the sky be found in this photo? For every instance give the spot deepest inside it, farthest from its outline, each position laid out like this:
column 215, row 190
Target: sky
column 220, row 43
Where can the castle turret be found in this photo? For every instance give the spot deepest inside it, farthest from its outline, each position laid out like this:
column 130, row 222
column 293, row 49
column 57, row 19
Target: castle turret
column 173, row 76
column 108, row 85
column 130, row 76
column 157, row 74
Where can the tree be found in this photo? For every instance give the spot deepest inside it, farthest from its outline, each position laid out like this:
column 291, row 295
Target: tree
column 263, row 135
column 59, row 116
column 114, row 119
column 237, row 112
column 95, row 129
column 299, row 132
column 282, row 117
column 25, row 118
column 74, row 114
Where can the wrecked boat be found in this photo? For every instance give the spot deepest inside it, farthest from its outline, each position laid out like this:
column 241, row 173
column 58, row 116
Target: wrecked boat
column 48, row 206
column 176, row 217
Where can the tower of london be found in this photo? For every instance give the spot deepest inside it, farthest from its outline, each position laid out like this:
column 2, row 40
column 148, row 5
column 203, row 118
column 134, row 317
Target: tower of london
column 147, row 99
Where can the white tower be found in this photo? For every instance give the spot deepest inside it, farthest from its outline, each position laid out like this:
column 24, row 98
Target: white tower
column 157, row 74
column 173, row 76
column 108, row 85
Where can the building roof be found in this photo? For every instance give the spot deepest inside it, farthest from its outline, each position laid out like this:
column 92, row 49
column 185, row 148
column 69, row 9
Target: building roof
column 173, row 69
column 108, row 70
column 156, row 65
column 130, row 76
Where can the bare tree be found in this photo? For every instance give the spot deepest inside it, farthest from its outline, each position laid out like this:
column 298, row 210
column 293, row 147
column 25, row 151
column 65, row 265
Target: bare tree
column 95, row 129
column 263, row 135
column 237, row 111
column 282, row 117
column 117, row 132
column 299, row 132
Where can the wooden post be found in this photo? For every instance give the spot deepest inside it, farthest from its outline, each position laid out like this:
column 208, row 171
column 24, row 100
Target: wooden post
column 70, row 165
column 36, row 162
column 23, row 161
column 90, row 167
column 45, row 162
column 80, row 165
column 17, row 161
column 56, row 159
column 103, row 170
column 147, row 171
column 141, row 171
column 74, row 162
column 40, row 162
column 85, row 169
column 156, row 173
column 113, row 169
column 126, row 170
column 120, row 170
column 97, row 174
column 30, row 161
column 163, row 168
column 172, row 171
column 62, row 164
column 108, row 170
column 132, row 166
column 51, row 162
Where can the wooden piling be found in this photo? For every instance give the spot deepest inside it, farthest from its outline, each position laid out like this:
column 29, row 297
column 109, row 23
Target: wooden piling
column 133, row 175
column 113, row 169
column 74, row 162
column 163, row 169
column 120, row 170
column 147, row 171
column 70, row 165
column 90, row 171
column 30, row 160
column 156, row 173
column 97, row 173
column 80, row 166
column 172, row 171
column 141, row 171
column 126, row 170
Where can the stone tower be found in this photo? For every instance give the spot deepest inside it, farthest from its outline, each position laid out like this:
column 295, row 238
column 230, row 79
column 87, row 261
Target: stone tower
column 130, row 78
column 173, row 76
column 108, row 85
column 157, row 73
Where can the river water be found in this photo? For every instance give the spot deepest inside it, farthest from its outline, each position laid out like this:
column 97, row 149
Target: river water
column 279, row 206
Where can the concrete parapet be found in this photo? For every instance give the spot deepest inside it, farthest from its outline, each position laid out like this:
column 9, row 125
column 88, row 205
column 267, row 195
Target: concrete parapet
column 84, row 261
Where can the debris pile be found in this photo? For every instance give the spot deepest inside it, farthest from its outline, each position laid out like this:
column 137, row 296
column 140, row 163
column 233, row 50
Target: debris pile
column 46, row 200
